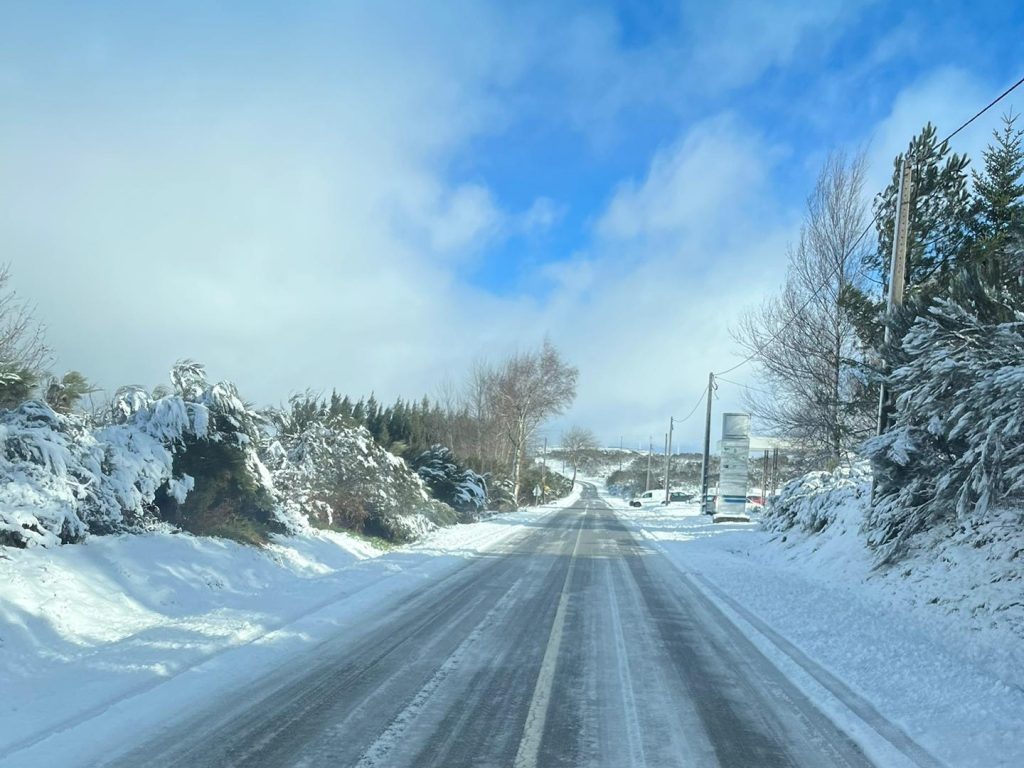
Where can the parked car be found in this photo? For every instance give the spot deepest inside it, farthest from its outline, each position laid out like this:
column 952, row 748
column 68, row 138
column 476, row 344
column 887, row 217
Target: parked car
column 680, row 497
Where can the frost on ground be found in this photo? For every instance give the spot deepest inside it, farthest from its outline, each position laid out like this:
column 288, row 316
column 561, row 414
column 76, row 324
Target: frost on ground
column 934, row 644
column 87, row 625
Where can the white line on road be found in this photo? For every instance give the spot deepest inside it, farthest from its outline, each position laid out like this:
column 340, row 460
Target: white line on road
column 536, row 717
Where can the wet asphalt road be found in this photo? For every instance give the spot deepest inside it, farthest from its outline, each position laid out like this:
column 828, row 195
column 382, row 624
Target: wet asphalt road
column 573, row 645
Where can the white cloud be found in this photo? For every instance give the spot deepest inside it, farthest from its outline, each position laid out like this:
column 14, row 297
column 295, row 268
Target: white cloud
column 692, row 184
column 947, row 97
column 675, row 259
column 542, row 214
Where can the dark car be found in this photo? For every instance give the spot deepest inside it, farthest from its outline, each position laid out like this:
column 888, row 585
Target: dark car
column 678, row 496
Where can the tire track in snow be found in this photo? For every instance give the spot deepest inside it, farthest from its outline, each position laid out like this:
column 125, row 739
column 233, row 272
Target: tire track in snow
column 633, row 732
column 537, row 715
column 377, row 753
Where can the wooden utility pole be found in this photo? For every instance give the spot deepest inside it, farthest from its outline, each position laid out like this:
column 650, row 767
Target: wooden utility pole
column 764, row 477
column 668, row 455
column 650, row 452
column 705, row 467
column 543, row 471
column 897, row 276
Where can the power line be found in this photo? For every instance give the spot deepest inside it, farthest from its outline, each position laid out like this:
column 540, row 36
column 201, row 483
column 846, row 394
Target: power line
column 835, row 270
column 745, row 386
column 991, row 104
column 695, row 407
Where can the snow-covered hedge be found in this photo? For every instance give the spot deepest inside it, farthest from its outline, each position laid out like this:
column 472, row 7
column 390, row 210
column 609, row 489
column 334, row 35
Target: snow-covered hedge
column 956, row 446
column 201, row 458
column 64, row 477
column 814, row 501
column 449, row 481
column 341, row 477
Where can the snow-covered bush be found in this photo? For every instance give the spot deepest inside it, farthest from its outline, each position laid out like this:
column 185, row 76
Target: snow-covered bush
column 340, row 477
column 63, row 477
column 813, row 501
column 956, row 444
column 450, row 482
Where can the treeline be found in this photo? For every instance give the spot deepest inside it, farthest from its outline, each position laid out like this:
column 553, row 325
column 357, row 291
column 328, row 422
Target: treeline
column 954, row 356
column 196, row 455
column 489, row 422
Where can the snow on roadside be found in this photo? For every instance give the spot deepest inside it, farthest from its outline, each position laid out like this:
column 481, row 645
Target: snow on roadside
column 86, row 625
column 955, row 687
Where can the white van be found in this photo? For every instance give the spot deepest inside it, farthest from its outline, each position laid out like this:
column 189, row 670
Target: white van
column 648, row 498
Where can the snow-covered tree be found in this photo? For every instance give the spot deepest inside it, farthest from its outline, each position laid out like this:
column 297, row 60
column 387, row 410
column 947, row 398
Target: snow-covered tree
column 450, row 482
column 940, row 209
column 956, row 442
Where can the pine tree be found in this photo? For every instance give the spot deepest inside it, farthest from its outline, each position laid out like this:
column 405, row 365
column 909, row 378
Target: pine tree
column 998, row 215
column 939, row 218
column 346, row 407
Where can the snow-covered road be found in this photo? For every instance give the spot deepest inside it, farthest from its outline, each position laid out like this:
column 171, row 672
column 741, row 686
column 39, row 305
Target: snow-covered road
column 570, row 643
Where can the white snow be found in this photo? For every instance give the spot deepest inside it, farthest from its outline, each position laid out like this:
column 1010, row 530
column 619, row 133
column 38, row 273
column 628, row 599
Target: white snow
column 94, row 637
column 954, row 684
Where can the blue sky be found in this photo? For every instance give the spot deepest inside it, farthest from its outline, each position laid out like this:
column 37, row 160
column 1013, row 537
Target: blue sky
column 371, row 196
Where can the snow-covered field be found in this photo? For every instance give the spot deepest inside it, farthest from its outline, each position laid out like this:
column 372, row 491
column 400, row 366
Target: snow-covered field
column 91, row 629
column 859, row 640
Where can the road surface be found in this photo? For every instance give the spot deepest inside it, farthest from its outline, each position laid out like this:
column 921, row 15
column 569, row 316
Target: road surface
column 571, row 645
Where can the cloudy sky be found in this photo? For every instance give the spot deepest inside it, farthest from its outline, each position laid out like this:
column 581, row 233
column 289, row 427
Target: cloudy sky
column 369, row 196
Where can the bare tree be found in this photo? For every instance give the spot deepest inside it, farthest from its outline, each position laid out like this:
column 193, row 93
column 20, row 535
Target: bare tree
column 576, row 442
column 803, row 339
column 23, row 353
column 529, row 388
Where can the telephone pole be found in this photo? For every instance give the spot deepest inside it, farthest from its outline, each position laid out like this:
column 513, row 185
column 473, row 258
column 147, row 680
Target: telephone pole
column 544, row 472
column 650, row 451
column 897, row 275
column 668, row 455
column 705, row 467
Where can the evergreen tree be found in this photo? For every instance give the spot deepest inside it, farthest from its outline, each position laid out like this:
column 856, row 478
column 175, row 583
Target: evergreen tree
column 359, row 412
column 998, row 215
column 63, row 394
column 939, row 213
column 346, row 406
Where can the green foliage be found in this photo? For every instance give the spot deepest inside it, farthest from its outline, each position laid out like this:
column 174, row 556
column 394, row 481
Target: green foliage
column 998, row 213
column 556, row 485
column 17, row 383
column 65, row 393
column 226, row 501
column 955, row 446
column 940, row 208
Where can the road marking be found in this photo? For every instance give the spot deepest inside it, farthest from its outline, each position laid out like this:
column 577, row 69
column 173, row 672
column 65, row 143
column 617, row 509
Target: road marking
column 537, row 715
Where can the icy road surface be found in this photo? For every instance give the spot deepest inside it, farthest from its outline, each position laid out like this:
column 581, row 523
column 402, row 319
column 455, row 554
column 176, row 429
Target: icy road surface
column 572, row 644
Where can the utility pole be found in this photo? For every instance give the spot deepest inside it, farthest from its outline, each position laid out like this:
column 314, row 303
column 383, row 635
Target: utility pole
column 705, row 466
column 544, row 472
column 650, row 451
column 764, row 477
column 775, row 470
column 897, row 275
column 668, row 456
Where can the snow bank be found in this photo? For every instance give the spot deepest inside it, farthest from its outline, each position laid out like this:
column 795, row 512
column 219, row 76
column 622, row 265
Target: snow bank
column 972, row 570
column 117, row 616
column 934, row 645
